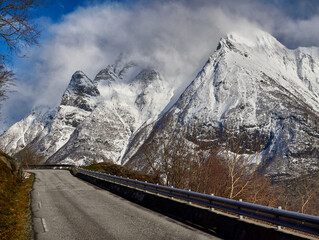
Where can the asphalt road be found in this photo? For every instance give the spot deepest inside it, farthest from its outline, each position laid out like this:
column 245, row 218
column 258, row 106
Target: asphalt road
column 65, row 207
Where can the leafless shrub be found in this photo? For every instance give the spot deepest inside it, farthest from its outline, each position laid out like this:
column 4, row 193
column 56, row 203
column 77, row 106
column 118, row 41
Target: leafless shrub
column 301, row 193
column 29, row 156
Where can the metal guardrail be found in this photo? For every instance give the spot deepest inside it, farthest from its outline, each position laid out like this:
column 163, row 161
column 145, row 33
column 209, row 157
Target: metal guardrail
column 279, row 217
column 50, row 166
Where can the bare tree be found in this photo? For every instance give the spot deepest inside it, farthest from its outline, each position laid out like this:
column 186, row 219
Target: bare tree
column 17, row 31
column 230, row 168
column 301, row 193
column 29, row 156
column 306, row 190
column 209, row 173
column 17, row 28
column 166, row 157
column 243, row 160
column 6, row 79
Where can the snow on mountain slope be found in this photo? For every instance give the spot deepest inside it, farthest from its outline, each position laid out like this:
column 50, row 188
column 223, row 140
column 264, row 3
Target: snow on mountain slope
column 48, row 131
column 77, row 103
column 96, row 119
column 80, row 93
column 252, row 83
column 255, row 84
column 233, row 80
column 130, row 97
column 23, row 132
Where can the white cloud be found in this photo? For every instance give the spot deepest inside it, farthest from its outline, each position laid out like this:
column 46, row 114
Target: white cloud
column 175, row 37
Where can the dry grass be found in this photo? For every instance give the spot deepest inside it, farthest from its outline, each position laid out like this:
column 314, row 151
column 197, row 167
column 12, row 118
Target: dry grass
column 14, row 205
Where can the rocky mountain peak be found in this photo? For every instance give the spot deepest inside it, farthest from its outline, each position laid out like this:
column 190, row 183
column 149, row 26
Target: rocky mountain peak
column 146, row 76
column 113, row 73
column 256, row 86
column 80, row 84
column 257, row 40
column 148, row 85
column 252, row 84
column 116, row 72
column 107, row 75
column 80, row 91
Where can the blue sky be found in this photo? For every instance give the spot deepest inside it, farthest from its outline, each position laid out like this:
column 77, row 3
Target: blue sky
column 175, row 37
column 294, row 8
column 56, row 9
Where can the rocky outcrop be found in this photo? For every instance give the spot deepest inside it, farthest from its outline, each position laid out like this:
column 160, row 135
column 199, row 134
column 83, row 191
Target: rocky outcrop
column 105, row 134
column 95, row 120
column 79, row 93
column 257, row 87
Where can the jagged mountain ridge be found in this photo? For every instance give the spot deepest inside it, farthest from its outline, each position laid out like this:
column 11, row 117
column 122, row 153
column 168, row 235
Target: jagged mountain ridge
column 22, row 133
column 96, row 119
column 108, row 129
column 252, row 83
column 78, row 101
column 256, row 85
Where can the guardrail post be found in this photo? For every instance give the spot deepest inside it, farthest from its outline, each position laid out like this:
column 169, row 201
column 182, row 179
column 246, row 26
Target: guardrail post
column 171, row 192
column 145, row 187
column 189, row 202
column 241, row 217
column 279, row 227
column 212, row 209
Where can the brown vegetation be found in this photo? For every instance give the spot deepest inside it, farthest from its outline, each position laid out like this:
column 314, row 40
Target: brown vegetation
column 118, row 170
column 14, row 200
column 301, row 194
column 227, row 169
column 29, row 156
column 228, row 173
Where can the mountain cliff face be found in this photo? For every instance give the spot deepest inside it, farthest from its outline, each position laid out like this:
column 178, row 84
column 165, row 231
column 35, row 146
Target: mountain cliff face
column 95, row 119
column 250, row 85
column 80, row 93
column 256, row 86
column 130, row 97
column 77, row 103
column 22, row 133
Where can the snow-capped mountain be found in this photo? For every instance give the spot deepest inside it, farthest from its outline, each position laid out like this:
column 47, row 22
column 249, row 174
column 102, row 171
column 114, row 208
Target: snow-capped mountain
column 127, row 102
column 77, row 103
column 95, row 119
column 256, row 85
column 251, row 84
column 25, row 131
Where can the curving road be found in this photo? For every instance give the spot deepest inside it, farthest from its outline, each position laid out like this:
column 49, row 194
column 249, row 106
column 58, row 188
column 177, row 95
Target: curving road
column 65, row 207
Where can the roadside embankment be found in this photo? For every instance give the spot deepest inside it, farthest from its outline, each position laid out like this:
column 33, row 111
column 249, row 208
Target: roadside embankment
column 15, row 220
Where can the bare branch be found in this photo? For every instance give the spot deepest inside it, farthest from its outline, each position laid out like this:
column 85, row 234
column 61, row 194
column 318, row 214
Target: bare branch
column 17, row 29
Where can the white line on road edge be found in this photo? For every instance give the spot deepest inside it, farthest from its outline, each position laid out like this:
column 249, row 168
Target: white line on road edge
column 39, row 204
column 44, row 225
